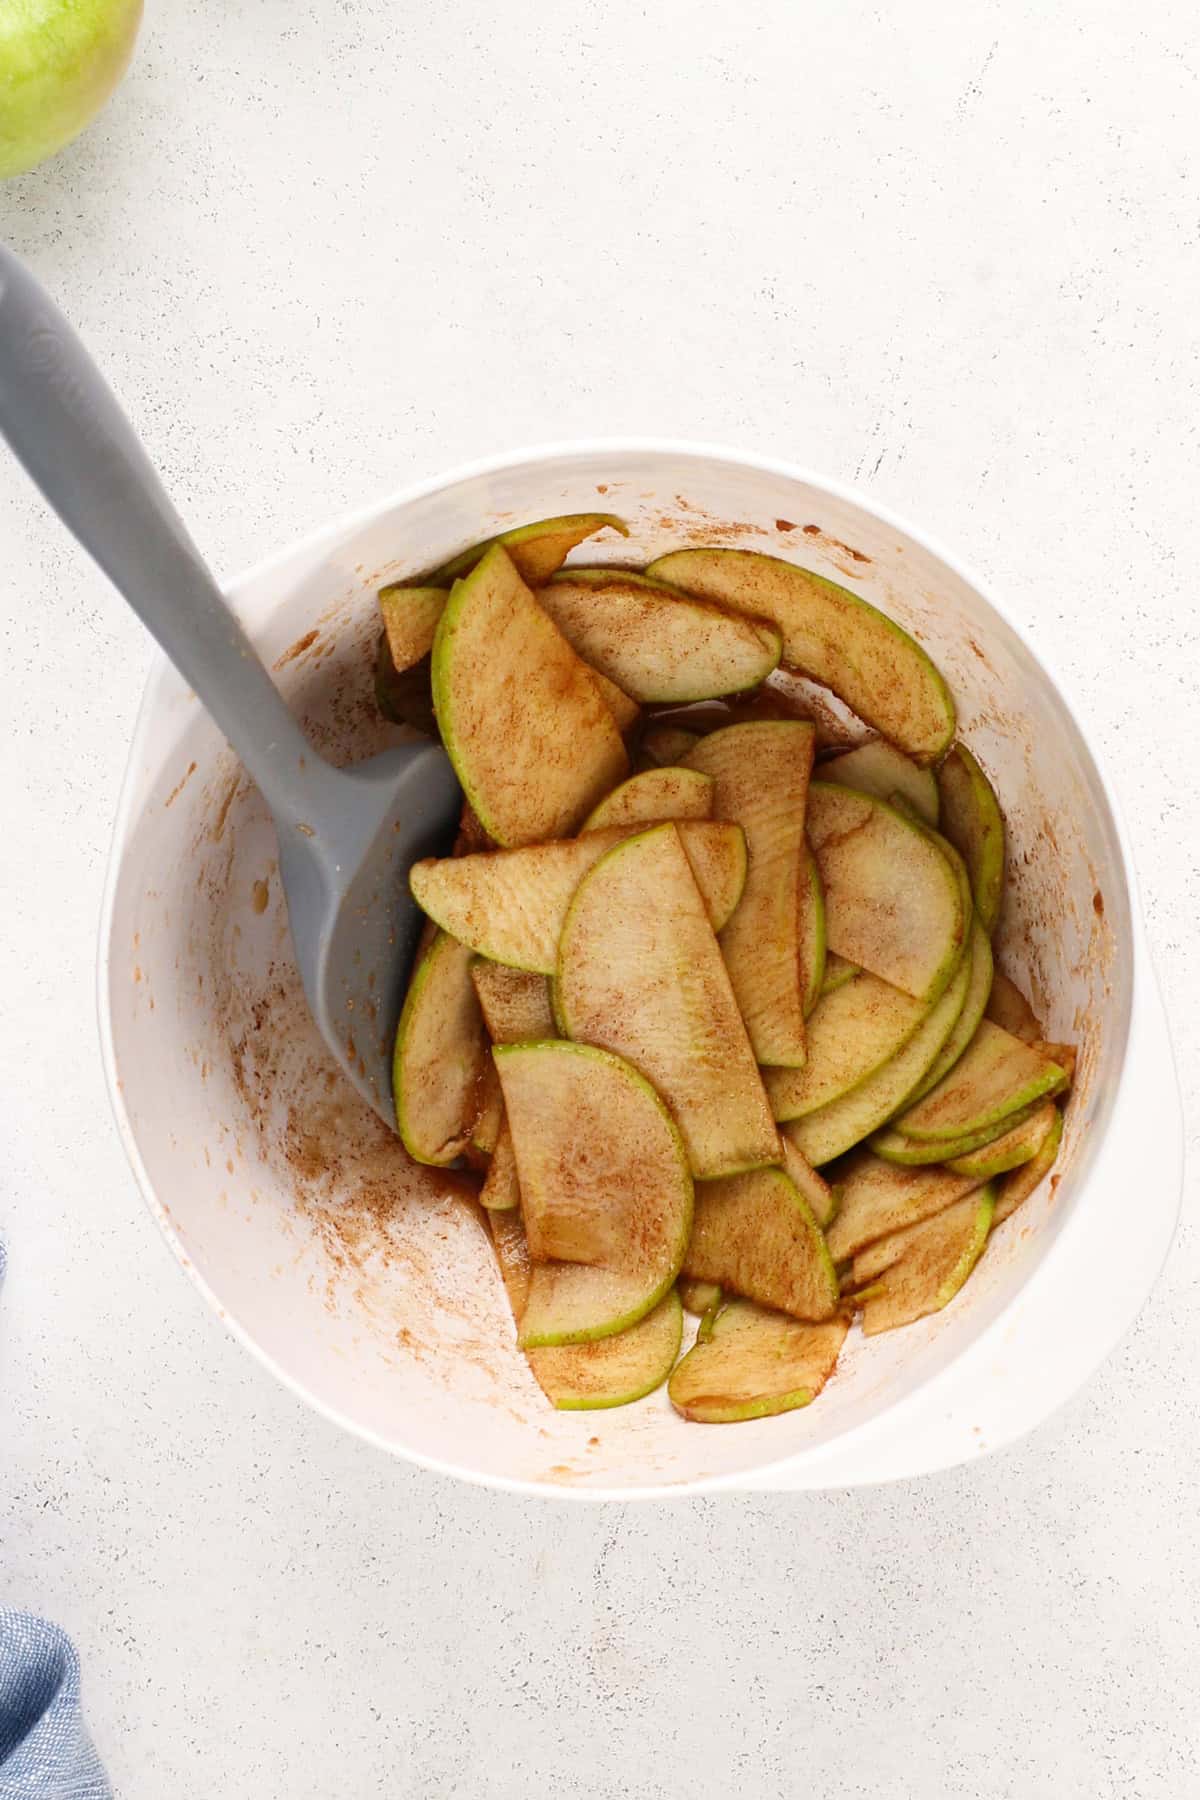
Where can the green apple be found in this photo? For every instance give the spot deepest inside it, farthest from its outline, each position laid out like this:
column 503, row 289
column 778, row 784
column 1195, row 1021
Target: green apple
column 59, row 62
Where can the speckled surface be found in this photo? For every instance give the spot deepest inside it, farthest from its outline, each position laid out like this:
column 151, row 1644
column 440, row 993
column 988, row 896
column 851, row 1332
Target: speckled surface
column 323, row 249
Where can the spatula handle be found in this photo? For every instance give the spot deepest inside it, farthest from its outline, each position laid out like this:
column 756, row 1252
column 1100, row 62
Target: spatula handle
column 63, row 422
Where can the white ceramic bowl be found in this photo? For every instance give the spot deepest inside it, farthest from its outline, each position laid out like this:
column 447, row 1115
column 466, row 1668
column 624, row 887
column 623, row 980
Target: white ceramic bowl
column 369, row 1286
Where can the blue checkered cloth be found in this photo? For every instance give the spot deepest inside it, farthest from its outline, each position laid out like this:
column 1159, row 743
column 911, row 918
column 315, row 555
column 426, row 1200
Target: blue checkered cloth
column 45, row 1751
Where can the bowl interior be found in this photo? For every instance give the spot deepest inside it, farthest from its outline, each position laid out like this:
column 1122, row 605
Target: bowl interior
column 368, row 1283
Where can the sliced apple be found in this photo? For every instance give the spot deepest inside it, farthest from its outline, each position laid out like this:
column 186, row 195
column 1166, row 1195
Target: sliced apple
column 698, row 1296
column 997, row 1075
column 510, row 905
column 892, row 899
column 438, row 1056
column 501, row 1190
column 761, row 772
column 979, row 986
column 919, row 1270
column 824, row 1134
column 538, row 550
column 894, row 1147
column 812, row 931
column 605, row 1189
column 655, row 794
column 1017, row 1187
column 879, row 768
column 655, row 642
column 876, row 1198
column 1007, row 1006
column 1018, row 1145
column 639, row 972
column 515, row 1004
column 853, row 1031
column 753, row 1364
column 755, row 1235
column 822, row 1200
column 612, row 1371
column 512, row 1255
column 831, row 635
column 410, row 619
column 974, row 824
column 489, row 1116
column 531, row 740
column 838, row 971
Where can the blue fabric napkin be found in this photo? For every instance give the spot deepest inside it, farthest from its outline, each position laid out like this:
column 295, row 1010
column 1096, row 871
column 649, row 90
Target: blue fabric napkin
column 45, row 1751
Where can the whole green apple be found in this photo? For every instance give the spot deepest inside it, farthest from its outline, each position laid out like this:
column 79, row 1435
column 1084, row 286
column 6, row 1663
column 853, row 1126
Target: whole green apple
column 59, row 62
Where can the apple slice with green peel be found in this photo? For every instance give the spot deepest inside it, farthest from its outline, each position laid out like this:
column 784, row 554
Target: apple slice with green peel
column 972, row 820
column 879, row 768
column 875, row 1199
column 1007, row 1006
column 919, row 1270
column 656, row 643
column 831, row 635
column 755, row 1235
column 410, row 619
column 612, row 1371
column 892, row 899
column 1019, row 1144
column 824, row 1134
column 640, row 973
column 515, row 1004
column 512, row 1256
column 838, row 971
column 894, row 1147
column 979, row 986
column 698, row 1296
column 812, row 931
column 489, row 1116
column 753, row 1364
column 1017, row 1187
column 606, row 1193
column 851, row 1033
column 538, row 550
column 666, row 745
column 821, row 1198
column 501, row 1190
column 655, row 795
column 510, row 905
column 761, row 772
column 438, row 1057
column 996, row 1076
column 531, row 740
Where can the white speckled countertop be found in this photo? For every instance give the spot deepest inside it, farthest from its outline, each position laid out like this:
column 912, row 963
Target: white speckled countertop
column 323, row 249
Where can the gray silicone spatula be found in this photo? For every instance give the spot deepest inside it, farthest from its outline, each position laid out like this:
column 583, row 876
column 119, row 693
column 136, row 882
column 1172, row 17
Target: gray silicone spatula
column 347, row 838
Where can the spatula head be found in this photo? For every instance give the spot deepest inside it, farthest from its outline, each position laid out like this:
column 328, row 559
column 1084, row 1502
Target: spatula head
column 354, row 922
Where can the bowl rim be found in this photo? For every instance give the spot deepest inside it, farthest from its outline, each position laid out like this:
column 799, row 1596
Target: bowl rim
column 765, row 1476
